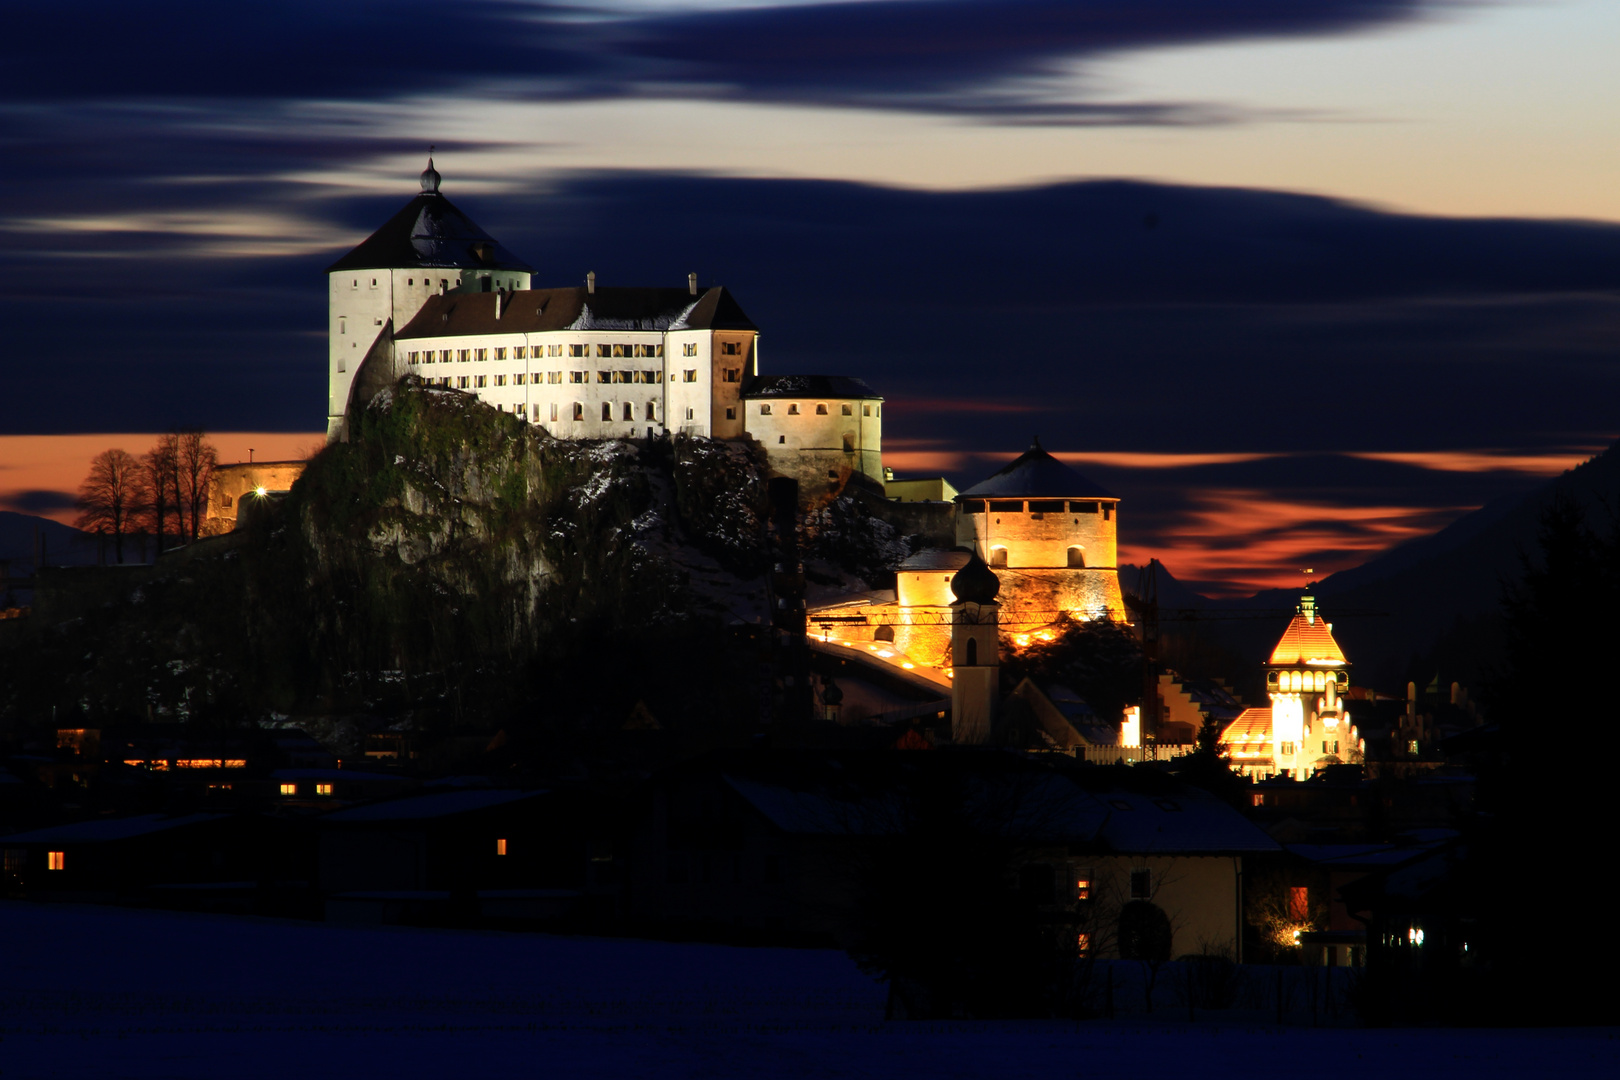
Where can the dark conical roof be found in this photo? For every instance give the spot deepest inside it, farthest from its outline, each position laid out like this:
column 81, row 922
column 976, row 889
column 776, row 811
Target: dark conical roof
column 975, row 583
column 1037, row 475
column 430, row 232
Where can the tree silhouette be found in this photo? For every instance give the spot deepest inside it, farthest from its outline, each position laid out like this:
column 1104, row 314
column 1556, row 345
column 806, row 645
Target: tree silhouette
column 112, row 496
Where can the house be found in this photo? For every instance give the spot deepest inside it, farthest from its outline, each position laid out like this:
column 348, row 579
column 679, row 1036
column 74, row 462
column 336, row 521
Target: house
column 774, row 843
column 464, row 855
column 125, row 858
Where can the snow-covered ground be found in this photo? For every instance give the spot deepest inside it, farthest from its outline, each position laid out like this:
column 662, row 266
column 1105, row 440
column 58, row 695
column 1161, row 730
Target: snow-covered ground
column 99, row 992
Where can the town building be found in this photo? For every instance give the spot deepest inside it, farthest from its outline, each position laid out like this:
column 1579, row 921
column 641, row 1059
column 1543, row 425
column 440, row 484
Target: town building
column 1308, row 725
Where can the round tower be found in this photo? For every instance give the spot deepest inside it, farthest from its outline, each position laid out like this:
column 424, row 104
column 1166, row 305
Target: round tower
column 1049, row 534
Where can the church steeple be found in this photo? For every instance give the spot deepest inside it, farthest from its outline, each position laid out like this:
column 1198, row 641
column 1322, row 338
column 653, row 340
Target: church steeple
column 430, row 176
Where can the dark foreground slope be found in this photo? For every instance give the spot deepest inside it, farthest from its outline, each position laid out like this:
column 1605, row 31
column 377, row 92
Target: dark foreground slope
column 450, row 563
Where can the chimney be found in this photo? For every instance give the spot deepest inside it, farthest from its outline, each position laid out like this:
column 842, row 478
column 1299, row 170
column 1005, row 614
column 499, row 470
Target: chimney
column 590, row 282
column 497, row 304
column 691, row 283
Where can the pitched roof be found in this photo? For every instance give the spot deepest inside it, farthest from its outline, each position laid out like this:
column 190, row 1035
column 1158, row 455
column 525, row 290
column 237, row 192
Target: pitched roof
column 1036, row 475
column 1307, row 642
column 429, row 232
column 1184, row 822
column 100, row 830
column 575, row 308
column 807, row 386
column 440, row 804
column 932, row 559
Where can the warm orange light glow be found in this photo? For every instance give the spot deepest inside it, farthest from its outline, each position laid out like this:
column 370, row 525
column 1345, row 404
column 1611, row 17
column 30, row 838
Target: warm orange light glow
column 1082, row 943
column 56, row 860
column 500, row 846
column 323, row 789
column 289, row 789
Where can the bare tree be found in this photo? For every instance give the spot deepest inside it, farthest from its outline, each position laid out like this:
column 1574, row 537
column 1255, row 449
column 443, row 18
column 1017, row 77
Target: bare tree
column 195, row 460
column 158, row 465
column 110, row 499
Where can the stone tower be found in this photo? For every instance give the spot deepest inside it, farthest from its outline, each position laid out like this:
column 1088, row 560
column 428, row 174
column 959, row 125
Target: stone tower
column 1050, row 532
column 975, row 652
column 429, row 247
column 1307, row 679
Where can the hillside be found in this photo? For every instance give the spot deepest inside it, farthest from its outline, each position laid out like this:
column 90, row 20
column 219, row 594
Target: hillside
column 449, row 566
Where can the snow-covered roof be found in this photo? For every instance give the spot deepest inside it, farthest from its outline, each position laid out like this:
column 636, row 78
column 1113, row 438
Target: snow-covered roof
column 533, row 311
column 355, row 776
column 436, row 805
column 429, row 231
column 101, row 830
column 935, row 560
column 808, row 386
column 1036, row 475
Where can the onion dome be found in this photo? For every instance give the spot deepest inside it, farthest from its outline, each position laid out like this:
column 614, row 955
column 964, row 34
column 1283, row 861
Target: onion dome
column 975, row 583
column 430, row 178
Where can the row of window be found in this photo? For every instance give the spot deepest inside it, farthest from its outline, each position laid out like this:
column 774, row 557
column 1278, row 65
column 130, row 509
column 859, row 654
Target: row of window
column 846, row 409
column 524, row 352
column 1312, row 681
column 1038, row 507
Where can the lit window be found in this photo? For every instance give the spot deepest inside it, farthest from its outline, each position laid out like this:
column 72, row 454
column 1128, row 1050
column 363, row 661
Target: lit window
column 500, row 846
column 1082, row 885
column 56, row 860
column 1082, row 943
column 289, row 789
column 1299, row 903
column 323, row 789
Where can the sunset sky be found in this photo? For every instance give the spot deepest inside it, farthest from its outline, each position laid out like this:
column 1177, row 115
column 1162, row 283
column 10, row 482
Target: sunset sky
column 1298, row 279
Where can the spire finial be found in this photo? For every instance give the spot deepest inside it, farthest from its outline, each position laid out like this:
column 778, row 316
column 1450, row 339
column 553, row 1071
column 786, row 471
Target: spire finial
column 1035, row 442
column 430, row 176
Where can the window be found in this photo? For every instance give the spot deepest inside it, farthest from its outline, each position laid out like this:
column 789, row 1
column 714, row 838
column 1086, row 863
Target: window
column 1108, row 511
column 413, row 357
column 579, row 411
column 793, row 409
column 461, row 382
column 848, row 409
column 553, row 412
column 1141, row 884
column 519, row 352
column 604, row 349
column 821, row 409
column 689, row 414
column 521, row 409
column 604, row 376
column 764, row 410
column 629, row 411
column 343, row 325
column 1082, row 884
column 1077, row 558
column 341, row 366
column 56, row 860
column 500, row 354
column 481, row 381
column 624, row 376
column 323, row 789
column 1046, row 506
column 517, row 380
column 689, row 349
column 651, row 411
column 689, row 375
column 1299, row 904
column 972, row 506
column 500, row 846
column 731, row 375
column 1286, row 749
column 577, row 350
column 1082, row 943
column 373, row 283
column 866, row 410
column 998, row 556
column 480, row 355
column 554, row 376
column 607, row 411
column 971, row 658
column 576, row 376
column 289, row 789
column 849, row 443
column 731, row 414
column 500, row 380
column 444, row 355
column 463, row 355
column 1007, row 506
column 731, row 348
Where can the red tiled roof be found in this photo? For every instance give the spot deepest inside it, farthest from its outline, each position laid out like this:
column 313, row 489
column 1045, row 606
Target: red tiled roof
column 1305, row 641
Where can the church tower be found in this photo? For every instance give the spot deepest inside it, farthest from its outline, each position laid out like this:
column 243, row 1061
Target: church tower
column 1307, row 678
column 975, row 652
column 428, row 248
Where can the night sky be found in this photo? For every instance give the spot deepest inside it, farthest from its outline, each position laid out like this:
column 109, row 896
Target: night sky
column 1298, row 279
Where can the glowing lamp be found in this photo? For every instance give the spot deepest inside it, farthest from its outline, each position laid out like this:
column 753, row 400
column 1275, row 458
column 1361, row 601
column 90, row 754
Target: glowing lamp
column 260, row 491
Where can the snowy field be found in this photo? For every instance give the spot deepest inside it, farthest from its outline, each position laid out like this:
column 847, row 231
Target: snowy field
column 101, row 992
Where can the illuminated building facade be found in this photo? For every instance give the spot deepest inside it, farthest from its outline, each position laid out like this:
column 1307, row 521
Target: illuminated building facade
column 1308, row 725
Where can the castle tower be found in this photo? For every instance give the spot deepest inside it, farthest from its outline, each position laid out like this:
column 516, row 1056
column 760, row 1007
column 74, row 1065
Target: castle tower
column 429, row 247
column 1050, row 533
column 975, row 652
column 1307, row 678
